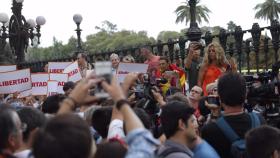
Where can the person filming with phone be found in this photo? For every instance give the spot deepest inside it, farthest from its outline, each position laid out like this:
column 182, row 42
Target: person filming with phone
column 174, row 75
column 193, row 62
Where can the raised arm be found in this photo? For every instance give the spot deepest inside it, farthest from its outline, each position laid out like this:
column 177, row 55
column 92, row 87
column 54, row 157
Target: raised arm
column 188, row 60
column 201, row 75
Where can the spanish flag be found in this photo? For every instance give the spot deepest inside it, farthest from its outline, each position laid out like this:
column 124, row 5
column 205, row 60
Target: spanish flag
column 181, row 75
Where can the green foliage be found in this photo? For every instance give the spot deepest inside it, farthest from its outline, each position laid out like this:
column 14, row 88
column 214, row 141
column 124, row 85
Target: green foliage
column 165, row 35
column 183, row 13
column 107, row 26
column 56, row 51
column 104, row 41
column 268, row 10
column 108, row 38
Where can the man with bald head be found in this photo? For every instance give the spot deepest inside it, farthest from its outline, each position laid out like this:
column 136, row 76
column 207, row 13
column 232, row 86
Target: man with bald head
column 194, row 97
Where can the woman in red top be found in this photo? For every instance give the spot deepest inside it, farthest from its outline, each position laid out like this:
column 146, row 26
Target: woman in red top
column 213, row 65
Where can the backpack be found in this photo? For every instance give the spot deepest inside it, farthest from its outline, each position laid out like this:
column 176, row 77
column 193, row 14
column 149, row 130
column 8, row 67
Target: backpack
column 169, row 151
column 238, row 145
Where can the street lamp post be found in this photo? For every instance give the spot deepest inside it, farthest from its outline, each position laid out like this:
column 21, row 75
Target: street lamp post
column 194, row 33
column 77, row 18
column 19, row 32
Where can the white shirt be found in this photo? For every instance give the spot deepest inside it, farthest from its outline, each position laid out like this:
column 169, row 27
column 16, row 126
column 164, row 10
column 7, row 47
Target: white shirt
column 22, row 154
column 116, row 129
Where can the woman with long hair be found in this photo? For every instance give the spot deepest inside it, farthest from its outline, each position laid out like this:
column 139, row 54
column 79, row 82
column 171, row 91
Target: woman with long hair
column 213, row 65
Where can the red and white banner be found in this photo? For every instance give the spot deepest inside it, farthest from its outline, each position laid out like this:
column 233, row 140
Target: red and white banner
column 6, row 68
column 52, row 88
column 126, row 68
column 15, row 81
column 57, row 67
column 73, row 72
column 62, row 78
column 40, row 83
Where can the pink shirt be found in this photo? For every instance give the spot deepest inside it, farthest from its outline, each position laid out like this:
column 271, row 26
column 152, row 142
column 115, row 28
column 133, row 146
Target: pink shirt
column 153, row 63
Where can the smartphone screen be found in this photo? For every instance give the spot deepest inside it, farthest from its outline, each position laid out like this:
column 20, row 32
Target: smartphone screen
column 103, row 70
column 213, row 100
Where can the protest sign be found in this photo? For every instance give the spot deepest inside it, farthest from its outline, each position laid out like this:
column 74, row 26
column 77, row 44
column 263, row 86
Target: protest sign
column 52, row 87
column 6, row 68
column 39, row 83
column 15, row 81
column 57, row 67
column 73, row 72
column 61, row 78
column 125, row 68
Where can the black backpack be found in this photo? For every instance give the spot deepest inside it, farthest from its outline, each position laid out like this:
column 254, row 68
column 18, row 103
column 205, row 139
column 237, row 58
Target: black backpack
column 238, row 145
column 169, row 151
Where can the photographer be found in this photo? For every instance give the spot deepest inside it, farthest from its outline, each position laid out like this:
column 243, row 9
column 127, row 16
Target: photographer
column 232, row 93
column 192, row 63
column 174, row 75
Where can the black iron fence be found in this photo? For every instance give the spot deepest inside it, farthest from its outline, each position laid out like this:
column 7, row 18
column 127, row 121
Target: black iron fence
column 233, row 43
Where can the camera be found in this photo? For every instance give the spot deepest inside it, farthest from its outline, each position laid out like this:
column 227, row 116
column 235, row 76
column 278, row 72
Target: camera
column 263, row 94
column 144, row 92
column 213, row 100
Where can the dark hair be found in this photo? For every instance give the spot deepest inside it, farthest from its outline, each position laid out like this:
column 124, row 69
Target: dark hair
column 178, row 97
column 148, row 47
column 83, row 55
column 232, row 89
column 33, row 118
column 173, row 90
column 7, row 124
column 144, row 117
column 164, row 58
column 51, row 104
column 172, row 112
column 101, row 119
column 262, row 141
column 110, row 149
column 64, row 136
column 68, row 85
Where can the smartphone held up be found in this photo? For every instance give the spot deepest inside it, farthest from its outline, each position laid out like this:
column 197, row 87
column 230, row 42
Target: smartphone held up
column 103, row 70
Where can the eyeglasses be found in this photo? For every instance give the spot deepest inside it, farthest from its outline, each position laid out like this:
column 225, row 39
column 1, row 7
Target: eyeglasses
column 215, row 90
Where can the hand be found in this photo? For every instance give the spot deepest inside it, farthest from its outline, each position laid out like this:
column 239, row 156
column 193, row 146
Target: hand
column 114, row 89
column 81, row 91
column 192, row 49
column 158, row 97
column 129, row 81
column 211, row 106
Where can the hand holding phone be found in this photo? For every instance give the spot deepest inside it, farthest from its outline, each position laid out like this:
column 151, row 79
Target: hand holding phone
column 103, row 70
column 212, row 102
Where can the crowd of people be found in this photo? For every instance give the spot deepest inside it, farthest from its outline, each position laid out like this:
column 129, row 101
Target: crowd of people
column 192, row 112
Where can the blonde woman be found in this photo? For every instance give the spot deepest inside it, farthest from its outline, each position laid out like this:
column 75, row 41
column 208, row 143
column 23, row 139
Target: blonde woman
column 213, row 65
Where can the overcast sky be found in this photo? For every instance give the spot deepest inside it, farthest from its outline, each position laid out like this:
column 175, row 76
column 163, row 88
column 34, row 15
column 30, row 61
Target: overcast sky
column 150, row 15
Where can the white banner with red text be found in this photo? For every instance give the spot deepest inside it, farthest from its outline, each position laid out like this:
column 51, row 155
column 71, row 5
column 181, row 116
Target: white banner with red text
column 40, row 83
column 52, row 87
column 15, row 81
column 126, row 68
column 73, row 72
column 57, row 67
column 62, row 78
